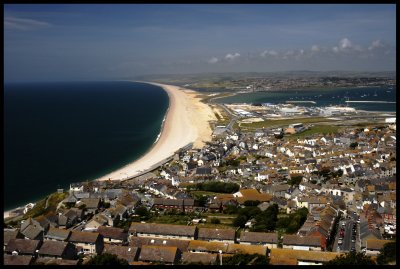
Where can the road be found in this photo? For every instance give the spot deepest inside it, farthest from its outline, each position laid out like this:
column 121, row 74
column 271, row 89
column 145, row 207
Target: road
column 347, row 244
column 231, row 115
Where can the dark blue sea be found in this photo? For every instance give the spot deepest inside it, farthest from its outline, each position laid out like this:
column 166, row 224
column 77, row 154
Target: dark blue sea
column 59, row 133
column 324, row 97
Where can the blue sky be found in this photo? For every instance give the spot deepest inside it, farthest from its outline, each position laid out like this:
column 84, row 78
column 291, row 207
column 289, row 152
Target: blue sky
column 109, row 41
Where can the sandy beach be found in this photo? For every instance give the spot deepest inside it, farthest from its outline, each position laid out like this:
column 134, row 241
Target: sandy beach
column 187, row 121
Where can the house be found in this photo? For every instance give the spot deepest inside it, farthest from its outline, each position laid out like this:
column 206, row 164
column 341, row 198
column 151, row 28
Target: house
column 269, row 240
column 244, row 195
column 127, row 253
column 159, row 254
column 208, row 247
column 92, row 205
column 22, row 247
column 162, row 230
column 32, row 229
column 9, row 234
column 199, row 258
column 222, row 235
column 17, row 260
column 182, row 245
column 97, row 221
column 279, row 256
column 58, row 250
column 53, row 261
column 88, row 242
column 113, row 235
column 246, row 249
column 368, row 232
column 56, row 234
column 184, row 205
column 302, row 242
column 374, row 246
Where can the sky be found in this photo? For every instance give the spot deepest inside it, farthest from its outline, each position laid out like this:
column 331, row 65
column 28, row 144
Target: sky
column 53, row 42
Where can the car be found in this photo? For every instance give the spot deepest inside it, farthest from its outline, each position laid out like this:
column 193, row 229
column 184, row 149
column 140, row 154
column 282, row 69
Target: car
column 353, row 240
column 340, row 242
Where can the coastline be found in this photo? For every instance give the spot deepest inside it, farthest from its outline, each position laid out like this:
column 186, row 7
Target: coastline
column 186, row 121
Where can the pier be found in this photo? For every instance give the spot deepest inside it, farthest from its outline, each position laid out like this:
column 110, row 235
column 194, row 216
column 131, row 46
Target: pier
column 310, row 102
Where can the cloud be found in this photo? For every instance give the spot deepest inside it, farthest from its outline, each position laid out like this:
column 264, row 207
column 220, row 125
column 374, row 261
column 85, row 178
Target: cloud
column 269, row 52
column 335, row 49
column 345, row 43
column 315, row 48
column 376, row 44
column 232, row 56
column 14, row 23
column 213, row 60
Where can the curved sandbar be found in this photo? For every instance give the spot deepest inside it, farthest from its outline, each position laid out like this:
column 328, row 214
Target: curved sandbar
column 187, row 121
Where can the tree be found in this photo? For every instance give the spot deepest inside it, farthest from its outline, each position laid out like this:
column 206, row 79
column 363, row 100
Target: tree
column 142, row 211
column 354, row 145
column 387, row 254
column 352, row 258
column 107, row 259
column 215, row 221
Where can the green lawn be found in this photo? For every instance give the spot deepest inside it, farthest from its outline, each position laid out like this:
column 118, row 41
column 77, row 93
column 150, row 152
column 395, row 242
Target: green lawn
column 277, row 123
column 317, row 129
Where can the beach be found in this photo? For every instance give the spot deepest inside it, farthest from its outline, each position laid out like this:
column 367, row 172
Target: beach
column 187, row 121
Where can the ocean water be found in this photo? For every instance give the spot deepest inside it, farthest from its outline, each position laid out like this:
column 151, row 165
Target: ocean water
column 324, row 97
column 59, row 133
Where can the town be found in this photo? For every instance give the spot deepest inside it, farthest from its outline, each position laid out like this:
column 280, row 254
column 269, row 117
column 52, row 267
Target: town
column 278, row 184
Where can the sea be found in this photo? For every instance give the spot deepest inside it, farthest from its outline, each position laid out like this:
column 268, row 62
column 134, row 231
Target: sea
column 324, row 97
column 57, row 133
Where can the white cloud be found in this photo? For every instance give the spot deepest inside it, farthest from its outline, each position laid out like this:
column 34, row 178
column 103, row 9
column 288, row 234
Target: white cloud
column 345, row 43
column 315, row 48
column 376, row 44
column 335, row 49
column 14, row 23
column 213, row 60
column 269, row 52
column 232, row 56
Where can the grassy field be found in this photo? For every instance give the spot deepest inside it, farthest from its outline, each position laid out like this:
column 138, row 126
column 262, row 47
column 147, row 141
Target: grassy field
column 210, row 193
column 285, row 122
column 40, row 207
column 317, row 129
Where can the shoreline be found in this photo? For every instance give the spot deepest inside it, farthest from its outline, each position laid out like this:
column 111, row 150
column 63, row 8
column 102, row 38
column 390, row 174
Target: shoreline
column 186, row 121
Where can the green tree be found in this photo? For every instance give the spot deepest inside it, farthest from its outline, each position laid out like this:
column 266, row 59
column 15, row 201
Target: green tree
column 215, row 221
column 352, row 258
column 354, row 145
column 142, row 212
column 107, row 259
column 388, row 253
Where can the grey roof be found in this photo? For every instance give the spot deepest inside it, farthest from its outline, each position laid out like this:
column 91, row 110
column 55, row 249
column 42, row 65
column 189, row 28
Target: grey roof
column 113, row 232
column 32, row 231
column 162, row 229
column 23, row 246
column 81, row 195
column 201, row 258
column 158, row 253
column 182, row 245
column 203, row 171
column 124, row 252
column 259, row 238
column 11, row 234
column 57, row 234
column 53, row 248
column 17, row 260
column 91, row 202
column 220, row 234
column 83, row 237
column 296, row 240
